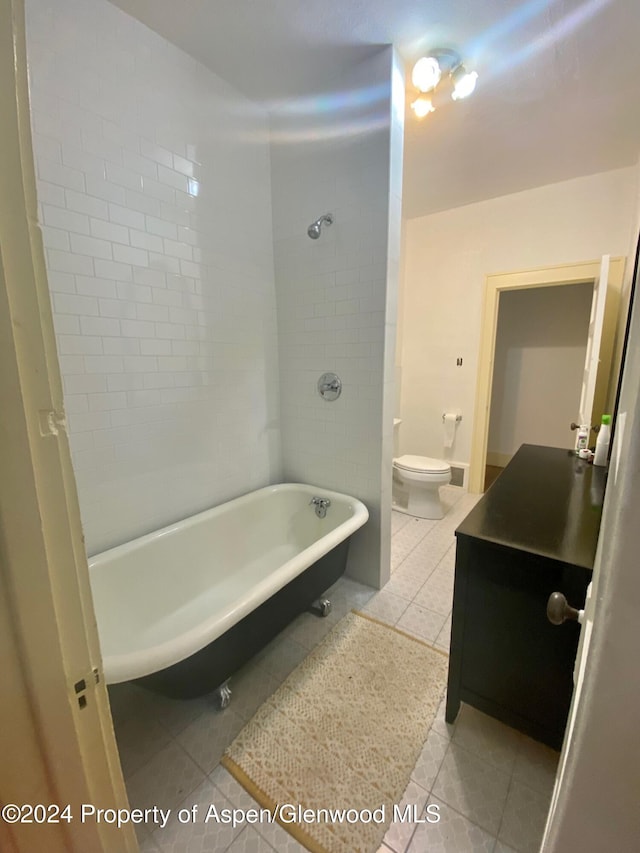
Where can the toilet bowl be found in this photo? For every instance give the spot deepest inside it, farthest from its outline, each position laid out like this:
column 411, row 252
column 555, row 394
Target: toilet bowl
column 422, row 477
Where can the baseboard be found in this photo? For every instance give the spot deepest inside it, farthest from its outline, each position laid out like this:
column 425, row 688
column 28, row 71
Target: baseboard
column 500, row 460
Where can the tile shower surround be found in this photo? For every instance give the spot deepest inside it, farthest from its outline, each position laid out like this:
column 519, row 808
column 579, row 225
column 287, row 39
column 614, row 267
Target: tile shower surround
column 336, row 295
column 154, row 190
column 155, row 184
column 492, row 784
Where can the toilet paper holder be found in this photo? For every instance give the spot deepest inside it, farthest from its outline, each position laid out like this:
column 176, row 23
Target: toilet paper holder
column 458, row 418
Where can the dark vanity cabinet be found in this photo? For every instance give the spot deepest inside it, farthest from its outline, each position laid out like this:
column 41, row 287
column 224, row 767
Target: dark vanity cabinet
column 534, row 532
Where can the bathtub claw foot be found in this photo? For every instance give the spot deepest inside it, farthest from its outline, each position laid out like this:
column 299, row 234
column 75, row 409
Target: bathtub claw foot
column 223, row 695
column 321, row 607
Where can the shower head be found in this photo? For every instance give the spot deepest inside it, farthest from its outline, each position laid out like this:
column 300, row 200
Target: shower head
column 314, row 229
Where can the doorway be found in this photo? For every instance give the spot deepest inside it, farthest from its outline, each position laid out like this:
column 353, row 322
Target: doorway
column 541, row 343
column 545, row 277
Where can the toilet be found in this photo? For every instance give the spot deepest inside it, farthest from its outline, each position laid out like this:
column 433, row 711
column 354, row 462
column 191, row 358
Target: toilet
column 422, row 477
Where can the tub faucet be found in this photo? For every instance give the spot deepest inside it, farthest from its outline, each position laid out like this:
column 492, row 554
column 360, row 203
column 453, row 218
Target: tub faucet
column 321, row 505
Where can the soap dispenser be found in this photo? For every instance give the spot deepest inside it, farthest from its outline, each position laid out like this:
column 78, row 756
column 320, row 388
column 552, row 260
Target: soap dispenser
column 602, row 442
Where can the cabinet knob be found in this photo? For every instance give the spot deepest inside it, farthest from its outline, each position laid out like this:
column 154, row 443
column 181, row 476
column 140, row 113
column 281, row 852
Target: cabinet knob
column 558, row 611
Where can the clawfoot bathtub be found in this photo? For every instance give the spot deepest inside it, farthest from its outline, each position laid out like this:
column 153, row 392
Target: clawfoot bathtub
column 182, row 608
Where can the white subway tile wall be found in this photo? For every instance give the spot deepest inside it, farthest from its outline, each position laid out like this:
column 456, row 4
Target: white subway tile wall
column 333, row 308
column 153, row 179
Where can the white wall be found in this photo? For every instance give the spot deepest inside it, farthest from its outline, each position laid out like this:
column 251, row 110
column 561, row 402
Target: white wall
column 332, row 293
column 541, row 344
column 449, row 254
column 154, row 191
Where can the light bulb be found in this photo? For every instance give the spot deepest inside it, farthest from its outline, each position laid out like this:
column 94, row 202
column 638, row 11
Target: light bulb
column 422, row 107
column 426, row 74
column 464, row 82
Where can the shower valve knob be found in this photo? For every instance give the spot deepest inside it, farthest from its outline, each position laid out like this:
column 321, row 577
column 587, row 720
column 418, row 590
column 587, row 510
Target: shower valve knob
column 329, row 386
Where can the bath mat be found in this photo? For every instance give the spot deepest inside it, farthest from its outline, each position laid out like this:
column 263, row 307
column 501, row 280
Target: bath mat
column 343, row 732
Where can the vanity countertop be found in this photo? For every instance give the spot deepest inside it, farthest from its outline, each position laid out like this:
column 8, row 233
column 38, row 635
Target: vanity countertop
column 546, row 502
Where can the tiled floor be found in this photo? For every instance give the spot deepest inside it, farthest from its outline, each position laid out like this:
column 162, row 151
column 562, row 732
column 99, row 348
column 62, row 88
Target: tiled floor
column 492, row 785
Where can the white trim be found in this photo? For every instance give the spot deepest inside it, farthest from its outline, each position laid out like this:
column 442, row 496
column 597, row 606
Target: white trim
column 495, row 284
column 594, row 338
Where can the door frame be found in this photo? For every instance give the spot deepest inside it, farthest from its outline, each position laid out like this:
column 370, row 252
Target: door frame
column 56, row 733
column 555, row 276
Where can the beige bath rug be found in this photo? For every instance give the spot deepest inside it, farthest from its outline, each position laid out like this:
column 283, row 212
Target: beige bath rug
column 343, row 732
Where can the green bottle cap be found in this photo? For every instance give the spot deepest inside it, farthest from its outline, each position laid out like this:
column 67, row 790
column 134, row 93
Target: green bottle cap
column 606, row 419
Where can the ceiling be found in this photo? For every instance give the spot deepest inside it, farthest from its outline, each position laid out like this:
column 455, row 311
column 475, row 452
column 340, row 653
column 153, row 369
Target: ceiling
column 557, row 97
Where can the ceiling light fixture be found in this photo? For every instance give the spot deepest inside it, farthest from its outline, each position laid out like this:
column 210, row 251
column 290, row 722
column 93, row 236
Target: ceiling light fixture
column 422, row 107
column 428, row 74
column 464, row 82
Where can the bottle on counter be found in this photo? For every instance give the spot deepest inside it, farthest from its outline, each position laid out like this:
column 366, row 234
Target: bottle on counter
column 602, row 442
column 582, row 439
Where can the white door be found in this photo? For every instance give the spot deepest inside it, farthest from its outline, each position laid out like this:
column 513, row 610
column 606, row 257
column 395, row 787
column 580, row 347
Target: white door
column 594, row 803
column 56, row 736
column 594, row 337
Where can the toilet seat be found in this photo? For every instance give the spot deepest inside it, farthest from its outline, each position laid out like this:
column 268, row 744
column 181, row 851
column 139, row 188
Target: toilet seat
column 422, row 464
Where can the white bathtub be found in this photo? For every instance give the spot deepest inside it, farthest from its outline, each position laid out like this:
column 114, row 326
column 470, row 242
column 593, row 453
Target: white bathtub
column 162, row 598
